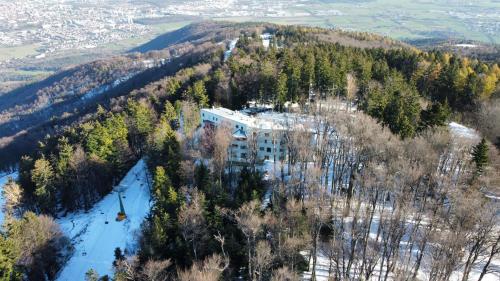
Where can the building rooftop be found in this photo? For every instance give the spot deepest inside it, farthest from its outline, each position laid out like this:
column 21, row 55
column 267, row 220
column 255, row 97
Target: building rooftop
column 264, row 120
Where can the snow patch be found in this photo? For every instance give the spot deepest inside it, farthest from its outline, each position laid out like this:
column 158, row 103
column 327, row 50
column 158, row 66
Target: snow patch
column 95, row 234
column 471, row 46
column 462, row 131
column 232, row 45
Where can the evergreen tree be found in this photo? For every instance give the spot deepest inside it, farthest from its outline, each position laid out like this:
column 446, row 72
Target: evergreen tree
column 9, row 254
column 198, row 93
column 99, row 141
column 65, row 154
column 436, row 115
column 141, row 119
column 170, row 115
column 43, row 178
column 325, row 80
column 292, row 67
column 25, row 166
column 308, row 72
column 119, row 256
column 480, row 155
column 281, row 91
column 202, row 178
column 402, row 114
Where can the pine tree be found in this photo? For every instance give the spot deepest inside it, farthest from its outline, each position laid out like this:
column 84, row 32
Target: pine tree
column 202, row 178
column 325, row 80
column 437, row 115
column 199, row 93
column 141, row 119
column 43, row 177
column 480, row 155
column 160, row 181
column 8, row 259
column 99, row 142
column 170, row 114
column 281, row 91
column 292, row 67
column 119, row 256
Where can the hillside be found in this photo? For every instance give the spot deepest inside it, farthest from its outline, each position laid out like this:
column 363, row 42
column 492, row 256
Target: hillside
column 29, row 113
column 351, row 146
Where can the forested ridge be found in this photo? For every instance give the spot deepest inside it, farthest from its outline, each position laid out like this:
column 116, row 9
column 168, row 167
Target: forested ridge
column 393, row 160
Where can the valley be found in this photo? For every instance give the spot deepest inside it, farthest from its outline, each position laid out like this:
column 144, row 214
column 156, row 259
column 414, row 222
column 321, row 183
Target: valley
column 254, row 151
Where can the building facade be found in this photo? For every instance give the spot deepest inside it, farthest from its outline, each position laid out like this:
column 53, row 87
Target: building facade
column 255, row 138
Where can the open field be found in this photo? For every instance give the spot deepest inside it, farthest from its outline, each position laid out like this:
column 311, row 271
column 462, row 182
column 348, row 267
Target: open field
column 17, row 52
column 400, row 19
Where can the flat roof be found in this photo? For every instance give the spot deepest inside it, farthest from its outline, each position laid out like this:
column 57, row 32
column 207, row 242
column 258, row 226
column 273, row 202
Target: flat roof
column 229, row 114
column 267, row 120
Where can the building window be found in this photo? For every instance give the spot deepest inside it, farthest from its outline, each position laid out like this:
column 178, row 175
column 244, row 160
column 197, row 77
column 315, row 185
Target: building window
column 244, row 155
column 203, row 114
column 268, row 149
column 243, row 147
column 261, row 148
column 237, row 126
column 265, row 141
column 281, row 150
column 234, row 145
column 266, row 157
column 266, row 134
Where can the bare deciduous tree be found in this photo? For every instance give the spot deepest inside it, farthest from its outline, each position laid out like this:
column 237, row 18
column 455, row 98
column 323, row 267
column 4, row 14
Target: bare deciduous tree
column 192, row 221
column 284, row 274
column 210, row 269
column 250, row 223
column 13, row 194
column 156, row 270
column 222, row 141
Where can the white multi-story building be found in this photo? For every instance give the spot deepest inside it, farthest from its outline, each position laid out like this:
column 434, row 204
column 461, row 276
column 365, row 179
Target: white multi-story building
column 257, row 136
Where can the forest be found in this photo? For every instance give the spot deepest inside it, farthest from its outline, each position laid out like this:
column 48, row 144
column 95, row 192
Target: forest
column 385, row 189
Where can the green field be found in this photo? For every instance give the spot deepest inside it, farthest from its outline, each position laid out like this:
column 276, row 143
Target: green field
column 477, row 20
column 17, row 52
column 402, row 19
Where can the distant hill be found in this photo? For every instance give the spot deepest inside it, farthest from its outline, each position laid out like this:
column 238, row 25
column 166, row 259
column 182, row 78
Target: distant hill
column 472, row 49
column 219, row 31
column 29, row 113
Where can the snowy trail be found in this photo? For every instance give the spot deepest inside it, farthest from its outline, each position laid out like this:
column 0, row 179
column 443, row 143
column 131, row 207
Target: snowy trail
column 94, row 239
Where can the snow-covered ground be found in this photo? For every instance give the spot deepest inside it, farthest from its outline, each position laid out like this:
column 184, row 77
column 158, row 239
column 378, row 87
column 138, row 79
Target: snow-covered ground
column 266, row 40
column 462, row 131
column 96, row 234
column 3, row 180
column 466, row 45
column 232, row 45
column 323, row 262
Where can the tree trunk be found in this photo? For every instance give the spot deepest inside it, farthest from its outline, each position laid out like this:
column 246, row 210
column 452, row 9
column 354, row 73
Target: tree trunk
column 494, row 251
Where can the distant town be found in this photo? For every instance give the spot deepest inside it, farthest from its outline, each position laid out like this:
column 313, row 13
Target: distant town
column 46, row 26
column 56, row 25
column 53, row 25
